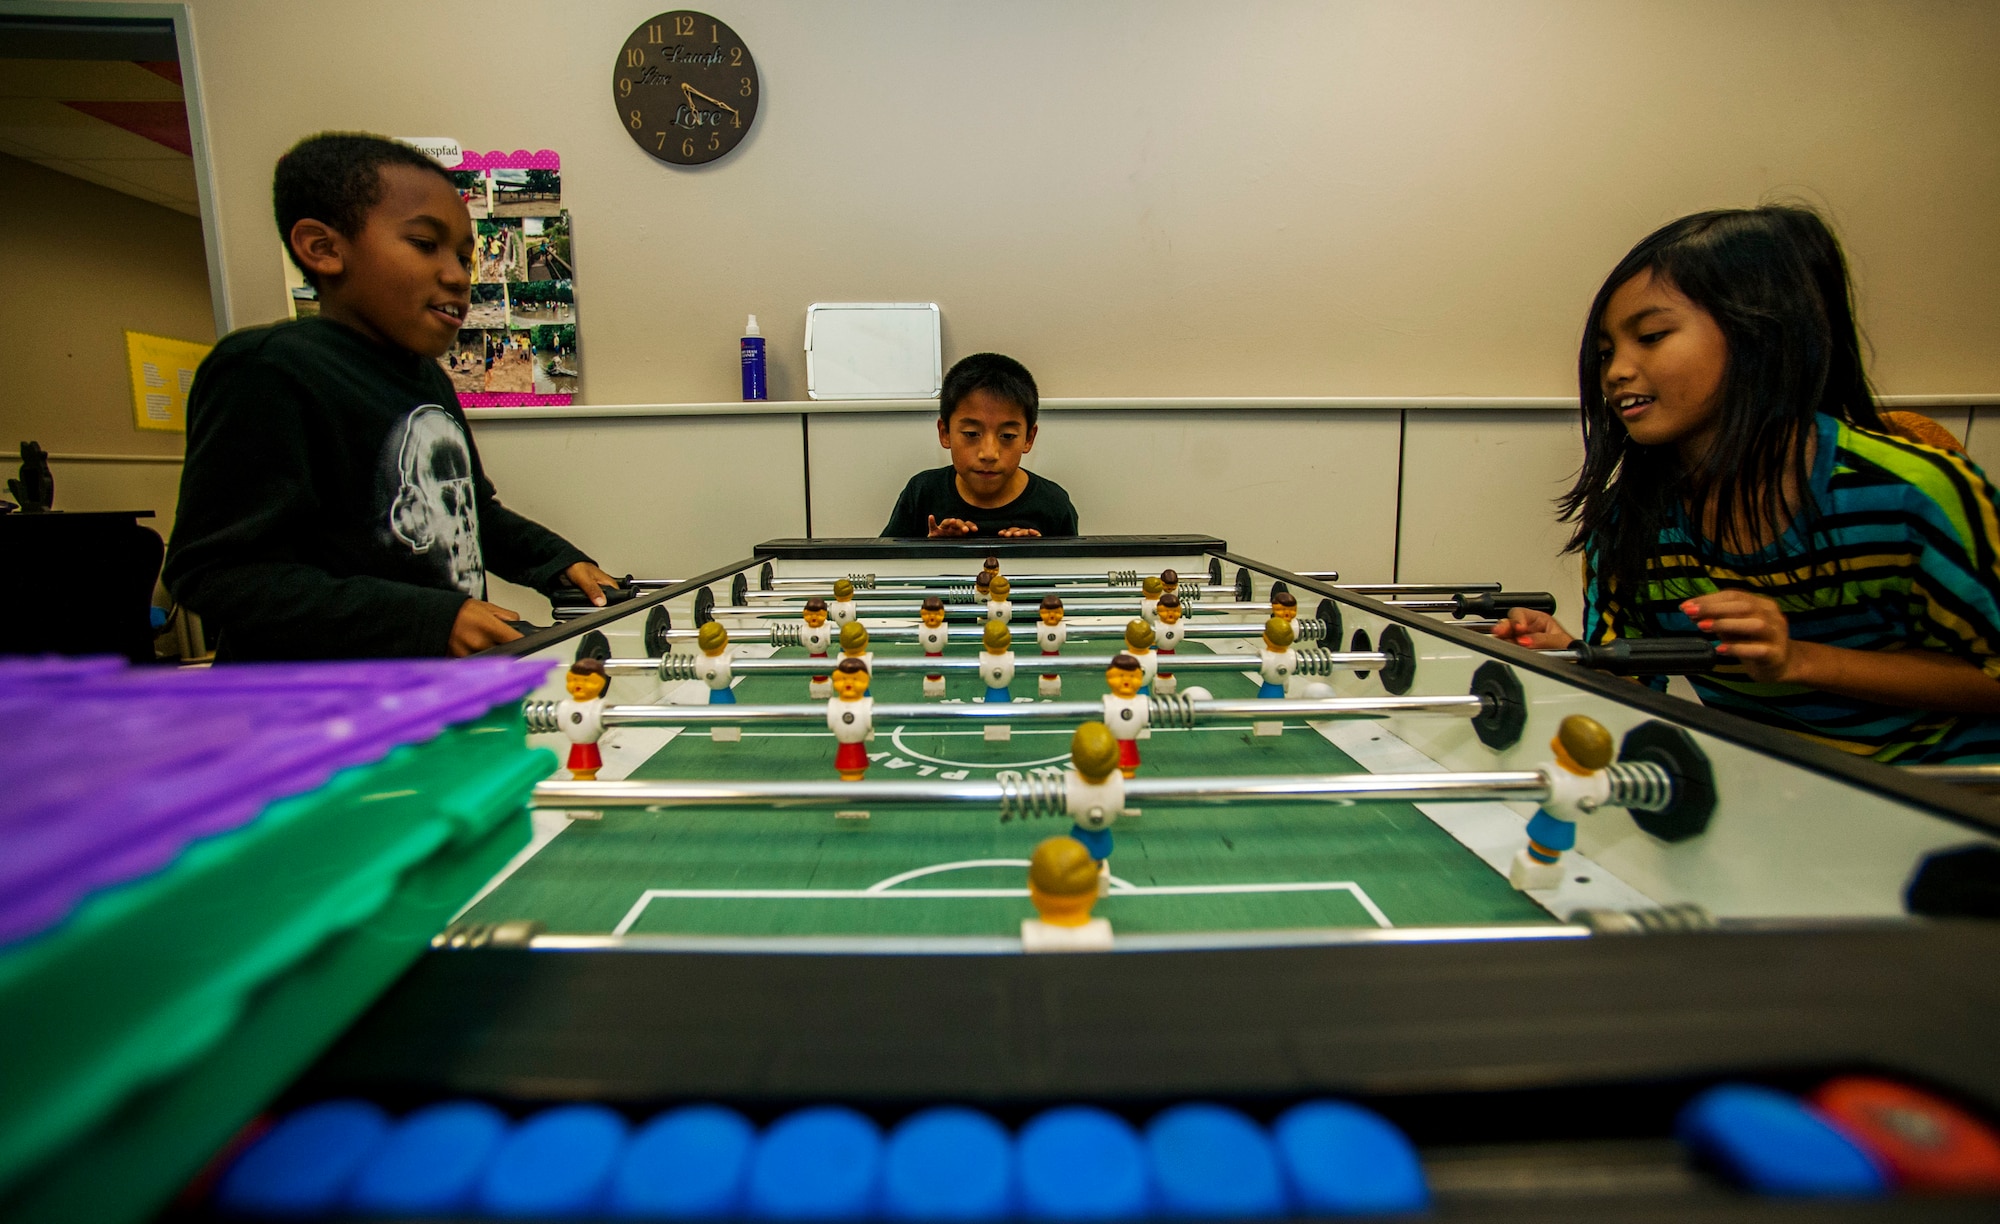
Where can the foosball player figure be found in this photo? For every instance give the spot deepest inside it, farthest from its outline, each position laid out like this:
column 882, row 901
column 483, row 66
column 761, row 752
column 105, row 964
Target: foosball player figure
column 996, row 672
column 1583, row 749
column 984, row 582
column 1139, row 639
column 842, row 607
column 850, row 715
column 1150, row 590
column 1127, row 712
column 998, row 606
column 1062, row 886
column 817, row 637
column 1094, row 792
column 1168, row 633
column 1277, row 663
column 711, row 666
column 933, row 636
column 1170, row 582
column 1050, row 636
column 1285, row 606
column 854, row 645
column 582, row 716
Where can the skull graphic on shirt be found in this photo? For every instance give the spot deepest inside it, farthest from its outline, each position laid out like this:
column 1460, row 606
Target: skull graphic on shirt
column 435, row 506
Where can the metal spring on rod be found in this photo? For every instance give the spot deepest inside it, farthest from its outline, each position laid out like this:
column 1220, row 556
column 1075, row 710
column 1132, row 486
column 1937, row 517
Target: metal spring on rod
column 540, row 715
column 1313, row 661
column 862, row 582
column 1024, row 796
column 1175, row 710
column 1308, row 629
column 962, row 593
column 1122, row 577
column 1640, row 786
column 677, row 667
column 786, row 633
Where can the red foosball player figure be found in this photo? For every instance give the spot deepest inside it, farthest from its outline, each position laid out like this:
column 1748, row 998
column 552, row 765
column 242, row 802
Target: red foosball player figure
column 1583, row 749
column 854, row 645
column 1150, row 590
column 850, row 715
column 988, row 571
column 933, row 636
column 1168, row 633
column 1285, row 606
column 1139, row 639
column 1170, row 582
column 1127, row 712
column 1051, row 634
column 817, row 638
column 998, row 606
column 842, row 607
column 582, row 716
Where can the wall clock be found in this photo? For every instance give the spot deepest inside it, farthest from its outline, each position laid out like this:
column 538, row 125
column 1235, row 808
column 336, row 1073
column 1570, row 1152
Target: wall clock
column 686, row 88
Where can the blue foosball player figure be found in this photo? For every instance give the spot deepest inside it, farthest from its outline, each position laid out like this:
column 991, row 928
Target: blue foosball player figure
column 712, row 668
column 1094, row 791
column 996, row 662
column 1577, row 784
column 1277, row 662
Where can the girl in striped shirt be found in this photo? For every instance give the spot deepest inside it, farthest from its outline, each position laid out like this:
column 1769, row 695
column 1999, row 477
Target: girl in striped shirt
column 1738, row 484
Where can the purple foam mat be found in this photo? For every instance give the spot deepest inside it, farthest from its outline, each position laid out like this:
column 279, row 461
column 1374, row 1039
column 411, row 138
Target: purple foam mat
column 112, row 772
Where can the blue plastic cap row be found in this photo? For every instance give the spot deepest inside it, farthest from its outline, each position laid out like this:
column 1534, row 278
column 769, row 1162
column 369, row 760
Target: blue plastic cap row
column 826, row 1163
column 1775, row 1144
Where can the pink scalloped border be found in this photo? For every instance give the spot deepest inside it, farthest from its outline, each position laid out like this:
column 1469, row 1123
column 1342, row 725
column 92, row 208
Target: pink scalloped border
column 519, row 159
column 512, row 399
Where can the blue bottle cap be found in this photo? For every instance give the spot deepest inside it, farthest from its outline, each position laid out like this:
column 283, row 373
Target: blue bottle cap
column 304, row 1164
column 556, row 1163
column 1771, row 1143
column 948, row 1164
column 816, row 1164
column 1213, row 1163
column 431, row 1162
column 1081, row 1163
column 1341, row 1159
column 686, row 1164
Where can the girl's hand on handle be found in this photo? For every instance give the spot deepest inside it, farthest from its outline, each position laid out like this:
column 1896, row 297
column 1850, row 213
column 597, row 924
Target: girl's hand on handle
column 1753, row 630
column 1532, row 630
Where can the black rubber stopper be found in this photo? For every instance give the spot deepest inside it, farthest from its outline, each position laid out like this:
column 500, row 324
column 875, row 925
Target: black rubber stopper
column 764, row 577
column 1329, row 612
column 1500, row 724
column 1694, row 779
column 739, row 589
column 704, row 607
column 1361, row 643
column 1961, row 883
column 659, row 622
column 593, row 645
column 1276, row 587
column 1401, row 671
column 1242, row 586
column 1215, row 571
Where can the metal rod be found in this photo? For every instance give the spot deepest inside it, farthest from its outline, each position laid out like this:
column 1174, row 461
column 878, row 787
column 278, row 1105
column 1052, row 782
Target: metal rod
column 1414, row 588
column 1119, row 578
column 1026, row 608
column 1978, row 777
column 1323, row 662
column 964, row 593
column 1179, row 710
column 786, row 633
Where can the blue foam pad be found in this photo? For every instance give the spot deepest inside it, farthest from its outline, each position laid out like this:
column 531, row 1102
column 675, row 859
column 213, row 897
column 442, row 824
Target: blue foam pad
column 1080, row 1163
column 816, row 1164
column 1214, row 1163
column 1341, row 1159
column 948, row 1164
column 431, row 1162
column 556, row 1163
column 303, row 1165
column 687, row 1164
column 1774, row 1144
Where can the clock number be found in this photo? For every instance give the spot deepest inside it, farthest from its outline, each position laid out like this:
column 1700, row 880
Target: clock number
column 714, row 141
column 662, row 143
column 736, row 119
column 653, row 34
column 636, row 121
column 736, row 57
column 634, row 57
column 687, row 147
column 713, row 36
column 683, row 27
column 745, row 91
column 624, row 87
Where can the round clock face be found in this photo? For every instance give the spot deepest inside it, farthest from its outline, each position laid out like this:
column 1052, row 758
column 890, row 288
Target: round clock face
column 686, row 88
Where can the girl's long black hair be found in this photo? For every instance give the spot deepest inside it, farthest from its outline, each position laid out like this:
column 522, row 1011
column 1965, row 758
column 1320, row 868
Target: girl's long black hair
column 1775, row 281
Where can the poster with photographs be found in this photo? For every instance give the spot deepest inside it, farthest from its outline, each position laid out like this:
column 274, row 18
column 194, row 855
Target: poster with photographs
column 518, row 346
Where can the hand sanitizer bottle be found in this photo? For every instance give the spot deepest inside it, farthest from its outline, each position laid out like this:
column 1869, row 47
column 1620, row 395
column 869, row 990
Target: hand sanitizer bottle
column 753, row 361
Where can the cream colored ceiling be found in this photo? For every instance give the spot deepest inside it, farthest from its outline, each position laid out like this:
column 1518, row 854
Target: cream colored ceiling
column 37, row 127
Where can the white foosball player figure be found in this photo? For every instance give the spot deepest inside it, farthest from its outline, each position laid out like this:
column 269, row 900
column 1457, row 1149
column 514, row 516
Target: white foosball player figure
column 1168, row 634
column 817, row 637
column 1139, row 639
column 854, row 645
column 711, row 667
column 1050, row 635
column 842, row 607
column 582, row 717
column 1577, row 784
column 1127, row 712
column 1150, row 590
column 996, row 671
column 998, row 606
column 933, row 637
column 850, row 715
column 1277, row 663
column 1062, row 886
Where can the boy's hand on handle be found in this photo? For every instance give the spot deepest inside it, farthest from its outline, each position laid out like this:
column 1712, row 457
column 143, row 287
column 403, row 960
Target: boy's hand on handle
column 586, row 577
column 953, row 527
column 1019, row 533
column 1753, row 630
column 479, row 625
column 1532, row 630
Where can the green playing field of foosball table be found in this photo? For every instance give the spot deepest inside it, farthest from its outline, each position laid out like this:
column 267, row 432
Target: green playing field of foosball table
column 961, row 870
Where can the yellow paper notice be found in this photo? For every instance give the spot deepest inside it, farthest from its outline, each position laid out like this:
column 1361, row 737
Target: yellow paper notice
column 162, row 372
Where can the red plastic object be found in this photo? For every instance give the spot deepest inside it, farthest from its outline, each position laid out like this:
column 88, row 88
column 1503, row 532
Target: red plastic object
column 1927, row 1144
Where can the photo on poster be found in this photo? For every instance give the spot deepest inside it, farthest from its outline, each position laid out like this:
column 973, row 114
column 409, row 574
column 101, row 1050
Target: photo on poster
column 543, row 301
column 556, row 366
column 527, row 193
column 465, row 362
column 500, row 256
column 489, row 306
column 472, row 189
column 509, row 364
column 547, row 248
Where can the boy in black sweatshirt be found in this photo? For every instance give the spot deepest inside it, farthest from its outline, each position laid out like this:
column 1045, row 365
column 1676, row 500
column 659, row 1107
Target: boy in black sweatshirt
column 332, row 504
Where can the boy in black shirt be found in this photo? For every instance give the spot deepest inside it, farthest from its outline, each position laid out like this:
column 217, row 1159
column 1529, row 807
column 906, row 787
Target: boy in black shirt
column 986, row 419
column 332, row 504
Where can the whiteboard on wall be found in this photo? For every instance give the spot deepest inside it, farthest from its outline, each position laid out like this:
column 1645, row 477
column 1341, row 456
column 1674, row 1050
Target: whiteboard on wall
column 874, row 350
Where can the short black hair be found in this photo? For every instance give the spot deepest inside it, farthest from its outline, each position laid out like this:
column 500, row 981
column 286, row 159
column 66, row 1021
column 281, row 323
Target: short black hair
column 993, row 373
column 336, row 177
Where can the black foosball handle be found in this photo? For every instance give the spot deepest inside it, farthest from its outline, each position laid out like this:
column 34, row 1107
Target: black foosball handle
column 1495, row 604
column 573, row 597
column 1677, row 656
